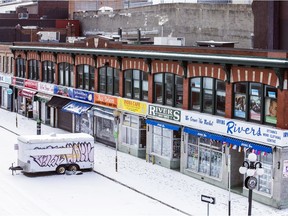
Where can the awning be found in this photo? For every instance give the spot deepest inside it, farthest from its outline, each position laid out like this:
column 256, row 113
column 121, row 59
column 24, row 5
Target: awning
column 228, row 140
column 204, row 134
column 163, row 124
column 26, row 93
column 58, row 102
column 43, row 97
column 247, row 144
column 76, row 107
column 103, row 113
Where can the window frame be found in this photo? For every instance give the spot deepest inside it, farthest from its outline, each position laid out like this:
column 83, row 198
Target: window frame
column 86, row 73
column 33, row 72
column 262, row 106
column 20, row 67
column 140, row 78
column 106, row 74
column 211, row 146
column 66, row 77
column 197, row 88
column 48, row 71
column 163, row 86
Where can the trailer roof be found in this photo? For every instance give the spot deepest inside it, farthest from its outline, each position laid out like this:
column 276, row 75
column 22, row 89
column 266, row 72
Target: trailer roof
column 52, row 138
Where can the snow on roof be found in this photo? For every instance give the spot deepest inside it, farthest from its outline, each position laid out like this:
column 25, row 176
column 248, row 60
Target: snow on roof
column 11, row 6
column 105, row 9
column 53, row 138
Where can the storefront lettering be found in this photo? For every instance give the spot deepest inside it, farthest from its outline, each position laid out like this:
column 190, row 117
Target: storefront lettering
column 190, row 118
column 233, row 128
column 131, row 103
column 18, row 81
column 165, row 113
column 205, row 122
column 199, row 120
column 45, row 87
column 31, row 84
column 105, row 99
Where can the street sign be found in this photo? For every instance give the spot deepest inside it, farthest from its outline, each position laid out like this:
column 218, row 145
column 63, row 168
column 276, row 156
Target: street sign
column 208, row 199
column 9, row 91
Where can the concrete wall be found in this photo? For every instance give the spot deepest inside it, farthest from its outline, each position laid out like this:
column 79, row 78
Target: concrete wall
column 195, row 22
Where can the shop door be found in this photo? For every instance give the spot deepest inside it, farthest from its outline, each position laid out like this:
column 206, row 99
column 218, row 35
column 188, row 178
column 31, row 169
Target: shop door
column 237, row 159
column 65, row 120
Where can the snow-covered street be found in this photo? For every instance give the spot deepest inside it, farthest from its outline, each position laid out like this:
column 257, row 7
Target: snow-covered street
column 94, row 194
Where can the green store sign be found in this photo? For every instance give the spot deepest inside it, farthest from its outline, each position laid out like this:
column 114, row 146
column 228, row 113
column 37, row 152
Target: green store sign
column 164, row 113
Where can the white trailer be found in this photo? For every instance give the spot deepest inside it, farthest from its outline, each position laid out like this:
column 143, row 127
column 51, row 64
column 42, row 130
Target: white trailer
column 55, row 152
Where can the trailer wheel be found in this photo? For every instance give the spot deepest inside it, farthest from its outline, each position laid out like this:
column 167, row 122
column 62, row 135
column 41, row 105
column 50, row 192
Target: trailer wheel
column 61, row 169
column 73, row 167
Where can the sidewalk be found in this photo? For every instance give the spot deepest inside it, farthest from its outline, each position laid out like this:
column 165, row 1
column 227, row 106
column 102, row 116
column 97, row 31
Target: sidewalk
column 169, row 186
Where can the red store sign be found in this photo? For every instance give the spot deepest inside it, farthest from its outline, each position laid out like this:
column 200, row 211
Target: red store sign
column 26, row 93
column 31, row 84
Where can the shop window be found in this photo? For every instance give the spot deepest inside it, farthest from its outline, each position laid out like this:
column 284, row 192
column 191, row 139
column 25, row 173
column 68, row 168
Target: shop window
column 33, row 69
column 204, row 156
column 20, row 67
column 66, row 74
column 48, row 71
column 270, row 105
column 130, row 130
column 255, row 102
column 166, row 142
column 168, row 89
column 109, row 80
column 264, row 182
column 133, row 131
column 85, row 77
column 84, row 123
column 104, row 129
column 207, row 95
column 136, row 85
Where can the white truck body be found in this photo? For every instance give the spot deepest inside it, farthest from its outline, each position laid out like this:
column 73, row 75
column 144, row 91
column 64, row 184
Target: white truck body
column 43, row 153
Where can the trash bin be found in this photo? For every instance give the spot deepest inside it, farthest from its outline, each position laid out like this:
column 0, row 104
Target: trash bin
column 30, row 114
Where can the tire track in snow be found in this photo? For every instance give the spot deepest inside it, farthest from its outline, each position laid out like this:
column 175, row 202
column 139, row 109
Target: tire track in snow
column 144, row 194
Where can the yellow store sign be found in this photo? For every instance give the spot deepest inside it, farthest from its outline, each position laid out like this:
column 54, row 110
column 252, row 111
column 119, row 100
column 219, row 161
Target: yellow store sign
column 132, row 106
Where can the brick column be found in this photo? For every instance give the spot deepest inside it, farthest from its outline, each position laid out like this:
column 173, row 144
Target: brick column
column 282, row 109
column 186, row 92
column 229, row 101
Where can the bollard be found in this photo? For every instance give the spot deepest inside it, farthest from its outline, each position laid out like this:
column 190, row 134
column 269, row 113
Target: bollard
column 38, row 127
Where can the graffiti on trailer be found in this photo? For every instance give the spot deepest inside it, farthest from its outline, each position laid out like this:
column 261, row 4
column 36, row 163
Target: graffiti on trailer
column 81, row 152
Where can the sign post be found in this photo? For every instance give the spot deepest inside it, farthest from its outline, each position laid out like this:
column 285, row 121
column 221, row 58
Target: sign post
column 208, row 200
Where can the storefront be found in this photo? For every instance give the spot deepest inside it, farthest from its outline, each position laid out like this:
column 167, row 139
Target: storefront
column 25, row 102
column 44, row 94
column 164, row 141
column 133, row 127
column 80, row 120
column 163, row 136
column 59, row 118
column 43, row 110
column 133, row 135
column 6, row 96
column 104, row 125
column 205, row 153
column 6, row 92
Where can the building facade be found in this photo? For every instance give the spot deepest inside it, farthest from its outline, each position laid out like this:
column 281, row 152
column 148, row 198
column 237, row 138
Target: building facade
column 183, row 108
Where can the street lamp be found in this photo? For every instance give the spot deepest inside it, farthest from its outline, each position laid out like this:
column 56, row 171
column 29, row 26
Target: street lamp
column 252, row 168
column 116, row 115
